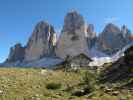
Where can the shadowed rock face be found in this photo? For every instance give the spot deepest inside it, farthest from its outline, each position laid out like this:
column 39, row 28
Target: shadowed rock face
column 126, row 34
column 41, row 43
column 16, row 53
column 73, row 39
column 91, row 36
column 113, row 39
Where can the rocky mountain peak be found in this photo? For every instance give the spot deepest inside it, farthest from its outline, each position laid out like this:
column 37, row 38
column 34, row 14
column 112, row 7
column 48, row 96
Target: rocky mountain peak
column 16, row 53
column 73, row 40
column 73, row 21
column 112, row 39
column 40, row 43
column 42, row 31
column 111, row 28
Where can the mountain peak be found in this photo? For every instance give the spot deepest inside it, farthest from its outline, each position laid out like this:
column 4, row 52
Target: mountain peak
column 40, row 43
column 113, row 38
column 73, row 11
column 73, row 21
column 73, row 39
column 16, row 53
column 111, row 28
column 40, row 23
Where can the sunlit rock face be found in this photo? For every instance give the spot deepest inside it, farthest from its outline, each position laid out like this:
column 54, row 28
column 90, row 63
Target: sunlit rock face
column 73, row 39
column 112, row 39
column 16, row 53
column 41, row 43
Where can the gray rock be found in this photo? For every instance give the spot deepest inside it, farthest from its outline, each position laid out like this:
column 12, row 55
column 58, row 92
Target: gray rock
column 112, row 39
column 73, row 39
column 16, row 53
column 126, row 34
column 73, row 21
column 115, row 93
column 41, row 43
column 91, row 36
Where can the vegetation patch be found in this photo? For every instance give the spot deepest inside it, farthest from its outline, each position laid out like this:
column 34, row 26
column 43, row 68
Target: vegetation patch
column 29, row 84
column 53, row 86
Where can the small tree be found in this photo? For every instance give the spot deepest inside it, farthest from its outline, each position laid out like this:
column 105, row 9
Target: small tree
column 53, row 86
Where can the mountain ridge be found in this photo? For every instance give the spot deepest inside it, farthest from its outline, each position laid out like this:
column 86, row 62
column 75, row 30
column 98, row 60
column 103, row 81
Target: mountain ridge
column 76, row 37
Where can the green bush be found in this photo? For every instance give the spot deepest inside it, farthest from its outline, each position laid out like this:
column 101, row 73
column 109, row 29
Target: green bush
column 53, row 86
column 89, row 80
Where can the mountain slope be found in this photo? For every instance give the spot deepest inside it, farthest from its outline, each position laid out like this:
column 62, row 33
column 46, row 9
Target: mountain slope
column 121, row 70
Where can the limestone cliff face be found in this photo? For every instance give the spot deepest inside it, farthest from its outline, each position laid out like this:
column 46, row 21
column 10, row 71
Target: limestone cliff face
column 17, row 53
column 113, row 39
column 41, row 43
column 73, row 39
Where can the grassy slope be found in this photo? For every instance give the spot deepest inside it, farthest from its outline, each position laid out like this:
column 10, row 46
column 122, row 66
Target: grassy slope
column 30, row 84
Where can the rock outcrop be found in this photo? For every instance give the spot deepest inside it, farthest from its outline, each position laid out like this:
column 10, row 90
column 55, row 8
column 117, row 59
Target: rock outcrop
column 41, row 43
column 121, row 69
column 112, row 39
column 73, row 39
column 126, row 34
column 16, row 54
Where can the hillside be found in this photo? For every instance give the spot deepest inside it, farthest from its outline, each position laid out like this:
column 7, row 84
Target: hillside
column 38, row 84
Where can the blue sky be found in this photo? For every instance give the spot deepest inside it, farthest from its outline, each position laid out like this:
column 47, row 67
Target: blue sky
column 18, row 17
